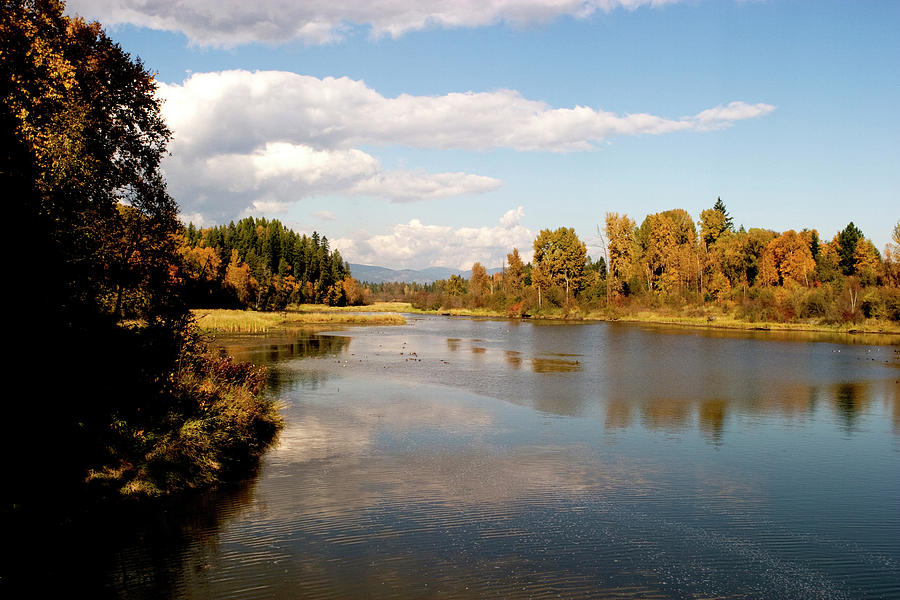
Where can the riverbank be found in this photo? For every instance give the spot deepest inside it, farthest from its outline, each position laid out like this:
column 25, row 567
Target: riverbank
column 389, row 313
column 245, row 321
column 702, row 321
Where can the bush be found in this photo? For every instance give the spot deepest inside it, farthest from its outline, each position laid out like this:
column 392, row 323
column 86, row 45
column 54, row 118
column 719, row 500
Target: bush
column 219, row 424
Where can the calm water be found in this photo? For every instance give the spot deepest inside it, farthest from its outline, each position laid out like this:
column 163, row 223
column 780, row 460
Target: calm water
column 475, row 458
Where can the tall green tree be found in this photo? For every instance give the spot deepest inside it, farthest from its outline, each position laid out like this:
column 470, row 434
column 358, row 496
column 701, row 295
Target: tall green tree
column 847, row 240
column 726, row 218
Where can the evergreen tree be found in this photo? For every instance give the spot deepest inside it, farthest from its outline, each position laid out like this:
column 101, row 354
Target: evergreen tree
column 847, row 241
column 720, row 206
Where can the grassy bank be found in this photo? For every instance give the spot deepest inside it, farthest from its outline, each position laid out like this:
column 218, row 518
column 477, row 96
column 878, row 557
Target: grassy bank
column 375, row 307
column 244, row 321
column 387, row 313
column 704, row 321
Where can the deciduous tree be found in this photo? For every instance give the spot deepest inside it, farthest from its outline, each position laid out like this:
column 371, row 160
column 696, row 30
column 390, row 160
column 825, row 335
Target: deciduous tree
column 561, row 257
column 514, row 274
column 622, row 250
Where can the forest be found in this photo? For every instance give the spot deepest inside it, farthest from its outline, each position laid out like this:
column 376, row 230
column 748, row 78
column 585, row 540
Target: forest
column 671, row 264
column 263, row 265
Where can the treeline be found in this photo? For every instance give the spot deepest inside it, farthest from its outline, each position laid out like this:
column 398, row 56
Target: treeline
column 669, row 262
column 263, row 265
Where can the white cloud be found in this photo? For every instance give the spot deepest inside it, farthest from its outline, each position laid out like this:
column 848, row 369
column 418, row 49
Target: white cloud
column 270, row 106
column 234, row 22
column 418, row 245
column 325, row 215
column 268, row 180
column 258, row 141
column 409, row 186
column 720, row 116
column 512, row 217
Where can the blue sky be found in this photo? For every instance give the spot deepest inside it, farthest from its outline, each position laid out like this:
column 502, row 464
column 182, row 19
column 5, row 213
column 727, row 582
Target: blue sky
column 434, row 133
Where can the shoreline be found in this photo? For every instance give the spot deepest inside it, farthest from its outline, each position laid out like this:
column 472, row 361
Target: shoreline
column 389, row 313
column 717, row 323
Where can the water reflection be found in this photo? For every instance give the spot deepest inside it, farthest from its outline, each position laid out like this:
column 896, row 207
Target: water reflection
column 287, row 345
column 850, row 400
column 711, row 416
column 685, row 466
column 161, row 549
column 554, row 365
column 189, row 531
column 513, row 358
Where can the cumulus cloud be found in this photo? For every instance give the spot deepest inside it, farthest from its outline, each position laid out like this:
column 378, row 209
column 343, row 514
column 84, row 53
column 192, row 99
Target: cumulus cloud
column 291, row 136
column 409, row 186
column 419, row 245
column 332, row 112
column 271, row 178
column 325, row 215
column 227, row 23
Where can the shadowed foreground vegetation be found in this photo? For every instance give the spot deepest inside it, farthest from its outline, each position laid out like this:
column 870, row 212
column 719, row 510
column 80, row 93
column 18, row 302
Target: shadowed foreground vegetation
column 118, row 395
column 217, row 425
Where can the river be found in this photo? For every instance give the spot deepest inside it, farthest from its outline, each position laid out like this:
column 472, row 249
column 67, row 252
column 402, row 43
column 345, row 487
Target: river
column 465, row 458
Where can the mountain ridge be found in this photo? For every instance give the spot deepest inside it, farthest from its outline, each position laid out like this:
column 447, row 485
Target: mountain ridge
column 377, row 274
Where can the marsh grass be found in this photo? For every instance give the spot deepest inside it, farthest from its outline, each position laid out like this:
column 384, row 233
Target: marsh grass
column 376, row 307
column 714, row 320
column 244, row 321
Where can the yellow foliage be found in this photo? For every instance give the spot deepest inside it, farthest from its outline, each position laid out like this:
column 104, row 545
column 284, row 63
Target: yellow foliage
column 622, row 250
column 787, row 259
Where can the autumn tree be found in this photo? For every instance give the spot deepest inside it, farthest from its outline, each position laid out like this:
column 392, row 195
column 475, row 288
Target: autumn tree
column 560, row 256
column 239, row 279
column 456, row 285
column 668, row 243
column 622, row 250
column 787, row 259
column 866, row 262
column 712, row 226
column 82, row 137
column 478, row 283
column 891, row 260
column 514, row 274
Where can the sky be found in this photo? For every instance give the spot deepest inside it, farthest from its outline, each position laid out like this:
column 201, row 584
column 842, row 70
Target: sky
column 417, row 133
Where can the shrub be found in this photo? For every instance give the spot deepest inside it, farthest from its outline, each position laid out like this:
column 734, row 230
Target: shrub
column 219, row 424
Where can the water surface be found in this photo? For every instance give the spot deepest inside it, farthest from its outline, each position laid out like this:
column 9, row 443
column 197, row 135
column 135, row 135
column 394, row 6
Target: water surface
column 480, row 458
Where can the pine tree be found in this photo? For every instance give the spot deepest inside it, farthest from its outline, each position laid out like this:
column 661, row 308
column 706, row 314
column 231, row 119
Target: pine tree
column 720, row 206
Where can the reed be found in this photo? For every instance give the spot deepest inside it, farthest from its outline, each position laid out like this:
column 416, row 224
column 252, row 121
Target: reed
column 244, row 321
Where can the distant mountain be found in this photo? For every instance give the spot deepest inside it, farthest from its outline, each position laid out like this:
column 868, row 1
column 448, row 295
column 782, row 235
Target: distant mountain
column 374, row 274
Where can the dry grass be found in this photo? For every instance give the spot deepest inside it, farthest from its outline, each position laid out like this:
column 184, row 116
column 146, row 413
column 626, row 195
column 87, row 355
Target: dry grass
column 245, row 321
column 376, row 307
column 729, row 322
